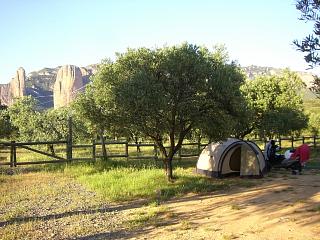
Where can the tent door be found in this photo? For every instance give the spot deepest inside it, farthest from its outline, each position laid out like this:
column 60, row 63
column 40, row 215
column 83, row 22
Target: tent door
column 249, row 162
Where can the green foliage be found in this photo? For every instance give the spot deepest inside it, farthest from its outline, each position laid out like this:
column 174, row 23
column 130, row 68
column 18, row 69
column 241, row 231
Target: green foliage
column 314, row 123
column 316, row 86
column 275, row 103
column 55, row 125
column 283, row 121
column 51, row 125
column 310, row 45
column 88, row 109
column 25, row 118
column 6, row 128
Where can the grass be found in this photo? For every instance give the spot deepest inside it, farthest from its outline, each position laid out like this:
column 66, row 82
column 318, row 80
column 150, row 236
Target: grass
column 124, row 181
column 185, row 225
column 236, row 207
column 147, row 215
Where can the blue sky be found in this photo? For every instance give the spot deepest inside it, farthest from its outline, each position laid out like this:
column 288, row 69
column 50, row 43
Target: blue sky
column 40, row 33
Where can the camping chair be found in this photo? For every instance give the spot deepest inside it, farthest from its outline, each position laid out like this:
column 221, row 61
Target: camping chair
column 298, row 159
column 293, row 164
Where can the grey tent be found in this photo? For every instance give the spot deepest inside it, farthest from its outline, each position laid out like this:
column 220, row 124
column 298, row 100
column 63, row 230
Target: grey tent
column 231, row 157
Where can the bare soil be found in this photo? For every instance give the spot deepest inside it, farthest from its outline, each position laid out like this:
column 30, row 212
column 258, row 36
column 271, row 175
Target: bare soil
column 279, row 206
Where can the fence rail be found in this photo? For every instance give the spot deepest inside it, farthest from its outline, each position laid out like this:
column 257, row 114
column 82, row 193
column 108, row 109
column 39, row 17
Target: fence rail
column 312, row 141
column 187, row 150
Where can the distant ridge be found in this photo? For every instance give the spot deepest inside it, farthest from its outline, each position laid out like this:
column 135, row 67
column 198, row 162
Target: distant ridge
column 253, row 71
column 40, row 84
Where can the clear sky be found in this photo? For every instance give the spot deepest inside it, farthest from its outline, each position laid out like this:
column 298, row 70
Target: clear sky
column 40, row 33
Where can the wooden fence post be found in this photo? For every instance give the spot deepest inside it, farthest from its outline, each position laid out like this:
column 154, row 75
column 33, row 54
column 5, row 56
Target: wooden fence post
column 69, row 140
column 199, row 146
column 280, row 142
column 12, row 153
column 292, row 139
column 314, row 141
column 302, row 139
column 15, row 155
column 127, row 151
column 94, row 149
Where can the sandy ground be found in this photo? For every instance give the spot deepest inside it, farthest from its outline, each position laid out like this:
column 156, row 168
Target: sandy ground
column 281, row 206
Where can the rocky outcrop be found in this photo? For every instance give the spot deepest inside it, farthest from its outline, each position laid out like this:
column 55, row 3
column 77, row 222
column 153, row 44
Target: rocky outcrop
column 15, row 89
column 67, row 85
column 18, row 84
column 5, row 96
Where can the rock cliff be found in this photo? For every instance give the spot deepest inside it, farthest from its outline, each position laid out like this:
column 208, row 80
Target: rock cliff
column 68, row 84
column 15, row 89
column 5, row 96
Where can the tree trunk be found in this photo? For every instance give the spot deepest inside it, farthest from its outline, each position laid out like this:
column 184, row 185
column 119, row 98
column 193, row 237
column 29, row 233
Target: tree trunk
column 138, row 147
column 167, row 160
column 169, row 169
column 103, row 145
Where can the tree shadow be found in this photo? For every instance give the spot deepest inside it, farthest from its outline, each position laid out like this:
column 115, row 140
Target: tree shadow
column 118, row 208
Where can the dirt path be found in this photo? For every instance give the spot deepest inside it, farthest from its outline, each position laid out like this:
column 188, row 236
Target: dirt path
column 281, row 207
column 52, row 206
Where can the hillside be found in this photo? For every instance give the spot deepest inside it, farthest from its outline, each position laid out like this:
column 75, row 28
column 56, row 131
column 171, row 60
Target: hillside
column 254, row 71
column 40, row 84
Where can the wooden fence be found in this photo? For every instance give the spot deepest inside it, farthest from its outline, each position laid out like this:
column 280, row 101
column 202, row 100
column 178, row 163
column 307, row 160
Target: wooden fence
column 292, row 142
column 67, row 153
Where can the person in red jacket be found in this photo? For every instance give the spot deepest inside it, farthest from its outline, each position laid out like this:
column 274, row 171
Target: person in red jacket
column 302, row 153
column 298, row 158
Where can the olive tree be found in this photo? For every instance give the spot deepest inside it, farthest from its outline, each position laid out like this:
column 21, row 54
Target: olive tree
column 25, row 118
column 275, row 103
column 165, row 93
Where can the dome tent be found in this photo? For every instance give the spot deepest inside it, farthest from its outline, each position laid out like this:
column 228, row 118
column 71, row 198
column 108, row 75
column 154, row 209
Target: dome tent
column 231, row 157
